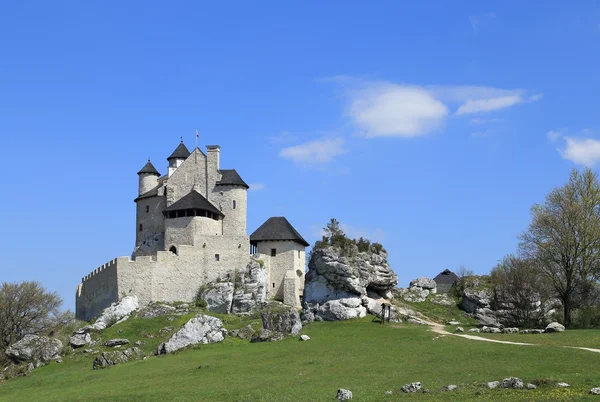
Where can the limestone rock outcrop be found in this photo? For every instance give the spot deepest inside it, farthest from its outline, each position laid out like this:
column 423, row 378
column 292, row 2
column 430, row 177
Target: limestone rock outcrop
column 107, row 359
column 80, row 339
column 336, row 284
column 116, row 312
column 240, row 294
column 555, row 327
column 202, row 329
column 279, row 320
column 34, row 349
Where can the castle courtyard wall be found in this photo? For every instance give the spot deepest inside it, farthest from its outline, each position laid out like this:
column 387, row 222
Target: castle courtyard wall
column 164, row 277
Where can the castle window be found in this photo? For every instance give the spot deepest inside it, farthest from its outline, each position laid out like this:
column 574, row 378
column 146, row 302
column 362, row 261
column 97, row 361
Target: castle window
column 298, row 253
column 147, row 208
column 173, row 249
column 233, row 204
column 273, row 252
column 141, row 227
column 273, row 285
column 217, row 257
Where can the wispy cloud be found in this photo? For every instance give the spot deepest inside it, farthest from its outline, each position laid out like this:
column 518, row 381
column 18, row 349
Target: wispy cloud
column 476, row 20
column 554, row 135
column 285, row 137
column 315, row 152
column 486, row 105
column 482, row 120
column 582, row 151
column 256, row 186
column 385, row 109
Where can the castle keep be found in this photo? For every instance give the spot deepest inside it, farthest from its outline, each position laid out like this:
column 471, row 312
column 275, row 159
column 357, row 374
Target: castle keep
column 190, row 231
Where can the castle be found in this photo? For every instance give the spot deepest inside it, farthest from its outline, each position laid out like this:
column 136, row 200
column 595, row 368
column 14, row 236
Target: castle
column 190, row 231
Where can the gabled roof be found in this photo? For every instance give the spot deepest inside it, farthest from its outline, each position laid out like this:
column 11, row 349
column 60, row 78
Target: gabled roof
column 277, row 228
column 230, row 177
column 446, row 277
column 181, row 152
column 194, row 200
column 149, row 169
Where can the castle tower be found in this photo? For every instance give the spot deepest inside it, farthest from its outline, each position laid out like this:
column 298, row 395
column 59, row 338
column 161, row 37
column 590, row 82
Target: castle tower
column 178, row 157
column 148, row 177
column 281, row 244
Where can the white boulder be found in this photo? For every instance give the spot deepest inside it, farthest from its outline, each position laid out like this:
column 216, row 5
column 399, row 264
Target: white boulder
column 202, row 329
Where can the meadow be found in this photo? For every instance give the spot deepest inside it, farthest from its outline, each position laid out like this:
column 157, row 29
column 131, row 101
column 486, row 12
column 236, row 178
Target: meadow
column 361, row 355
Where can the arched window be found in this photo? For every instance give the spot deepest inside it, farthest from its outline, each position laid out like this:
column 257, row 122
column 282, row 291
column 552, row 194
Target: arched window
column 173, row 249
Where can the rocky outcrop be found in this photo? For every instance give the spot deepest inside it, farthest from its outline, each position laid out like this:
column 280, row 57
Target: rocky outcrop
column 418, row 290
column 116, row 312
column 336, row 284
column 555, row 327
column 107, row 359
column 218, row 296
column 512, row 382
column 241, row 293
column 111, row 343
column 202, row 329
column 344, row 394
column 79, row 340
column 244, row 333
column 412, row 387
column 279, row 320
column 34, row 349
column 153, row 310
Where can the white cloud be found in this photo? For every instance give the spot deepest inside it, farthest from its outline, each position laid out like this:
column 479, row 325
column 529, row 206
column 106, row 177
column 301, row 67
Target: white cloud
column 285, row 137
column 554, row 135
column 315, row 152
column 582, row 151
column 391, row 110
column 476, row 20
column 387, row 109
column 256, row 186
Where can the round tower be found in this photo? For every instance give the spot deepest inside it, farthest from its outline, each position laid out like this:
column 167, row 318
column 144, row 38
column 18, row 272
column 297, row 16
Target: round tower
column 148, row 178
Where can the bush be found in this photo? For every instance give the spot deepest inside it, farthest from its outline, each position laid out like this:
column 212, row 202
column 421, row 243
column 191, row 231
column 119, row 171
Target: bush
column 199, row 300
column 335, row 237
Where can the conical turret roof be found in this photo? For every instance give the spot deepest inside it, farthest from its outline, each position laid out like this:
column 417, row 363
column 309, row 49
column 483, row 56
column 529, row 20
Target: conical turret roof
column 149, row 169
column 277, row 228
column 181, row 152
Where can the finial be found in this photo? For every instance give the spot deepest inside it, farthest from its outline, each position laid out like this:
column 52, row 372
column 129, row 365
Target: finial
column 148, row 159
column 181, row 139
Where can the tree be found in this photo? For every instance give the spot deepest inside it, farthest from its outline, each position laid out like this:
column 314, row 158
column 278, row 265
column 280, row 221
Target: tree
column 519, row 290
column 27, row 308
column 564, row 238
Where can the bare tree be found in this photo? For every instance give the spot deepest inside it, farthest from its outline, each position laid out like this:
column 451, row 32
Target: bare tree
column 564, row 238
column 27, row 308
column 519, row 290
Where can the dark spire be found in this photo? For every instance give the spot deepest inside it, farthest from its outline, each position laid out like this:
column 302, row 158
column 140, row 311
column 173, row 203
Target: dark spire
column 149, row 169
column 181, row 152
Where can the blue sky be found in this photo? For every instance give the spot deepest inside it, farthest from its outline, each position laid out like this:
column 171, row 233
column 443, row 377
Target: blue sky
column 429, row 127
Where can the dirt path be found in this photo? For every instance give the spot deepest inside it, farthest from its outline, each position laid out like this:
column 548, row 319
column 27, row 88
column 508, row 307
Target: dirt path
column 439, row 329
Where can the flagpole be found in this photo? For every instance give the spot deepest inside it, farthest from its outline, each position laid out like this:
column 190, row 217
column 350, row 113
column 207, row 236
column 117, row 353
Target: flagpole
column 195, row 157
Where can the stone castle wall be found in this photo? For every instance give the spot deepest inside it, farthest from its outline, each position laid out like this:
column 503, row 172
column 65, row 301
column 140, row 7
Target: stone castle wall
column 162, row 277
column 289, row 257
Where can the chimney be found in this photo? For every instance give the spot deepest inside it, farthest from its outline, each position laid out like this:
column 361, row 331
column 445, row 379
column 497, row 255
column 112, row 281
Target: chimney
column 212, row 155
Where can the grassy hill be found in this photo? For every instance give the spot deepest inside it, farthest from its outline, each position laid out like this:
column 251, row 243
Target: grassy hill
column 365, row 357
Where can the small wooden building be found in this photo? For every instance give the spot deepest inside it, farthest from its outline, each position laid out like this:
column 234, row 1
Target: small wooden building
column 445, row 280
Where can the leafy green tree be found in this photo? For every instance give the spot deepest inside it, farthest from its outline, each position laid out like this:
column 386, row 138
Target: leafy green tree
column 27, row 308
column 564, row 238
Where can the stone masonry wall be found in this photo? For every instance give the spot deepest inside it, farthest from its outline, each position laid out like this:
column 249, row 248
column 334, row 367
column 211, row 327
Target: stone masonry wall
column 190, row 175
column 96, row 291
column 290, row 257
column 163, row 277
column 222, row 197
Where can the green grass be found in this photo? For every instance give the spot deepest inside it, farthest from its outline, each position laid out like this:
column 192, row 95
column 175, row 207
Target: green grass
column 588, row 338
column 365, row 357
column 441, row 314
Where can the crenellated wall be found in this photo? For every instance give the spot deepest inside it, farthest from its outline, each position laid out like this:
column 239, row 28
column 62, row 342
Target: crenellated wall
column 97, row 291
column 164, row 276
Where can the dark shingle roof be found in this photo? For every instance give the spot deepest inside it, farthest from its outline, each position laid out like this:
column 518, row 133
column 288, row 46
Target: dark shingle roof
column 149, row 169
column 181, row 152
column 446, row 277
column 277, row 228
column 154, row 191
column 194, row 200
column 231, row 178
